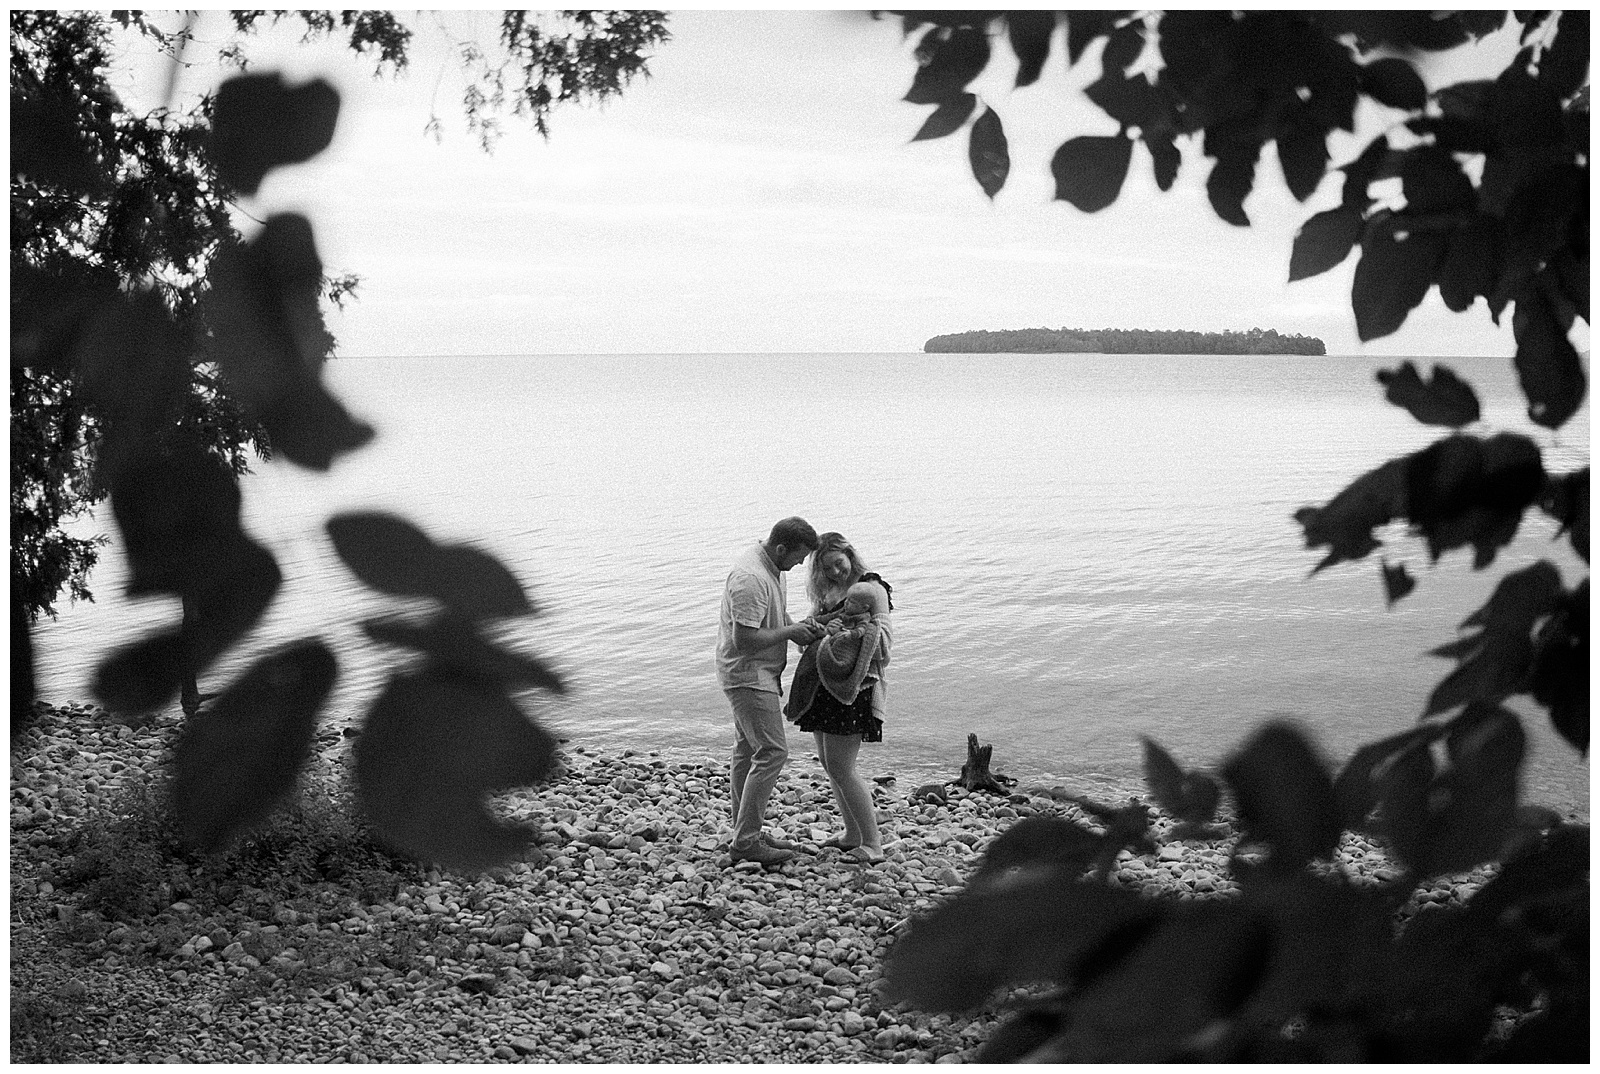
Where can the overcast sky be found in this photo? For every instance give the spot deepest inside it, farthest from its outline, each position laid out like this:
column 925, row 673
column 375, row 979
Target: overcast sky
column 759, row 192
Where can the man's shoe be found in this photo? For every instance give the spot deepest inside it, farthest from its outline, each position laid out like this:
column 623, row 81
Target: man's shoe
column 776, row 843
column 759, row 852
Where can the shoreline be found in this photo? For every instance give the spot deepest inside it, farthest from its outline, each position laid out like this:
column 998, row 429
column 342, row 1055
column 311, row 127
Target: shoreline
column 624, row 935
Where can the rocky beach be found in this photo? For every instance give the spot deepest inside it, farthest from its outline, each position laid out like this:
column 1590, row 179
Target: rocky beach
column 625, row 934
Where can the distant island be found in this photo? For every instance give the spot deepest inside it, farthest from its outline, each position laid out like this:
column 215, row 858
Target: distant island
column 1121, row 341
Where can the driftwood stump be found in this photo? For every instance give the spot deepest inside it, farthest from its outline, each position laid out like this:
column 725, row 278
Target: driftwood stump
column 975, row 774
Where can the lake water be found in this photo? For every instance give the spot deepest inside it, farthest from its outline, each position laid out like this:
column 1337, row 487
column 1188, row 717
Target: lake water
column 1084, row 548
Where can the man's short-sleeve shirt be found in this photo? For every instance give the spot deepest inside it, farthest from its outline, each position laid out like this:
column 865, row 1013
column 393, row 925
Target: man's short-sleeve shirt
column 754, row 596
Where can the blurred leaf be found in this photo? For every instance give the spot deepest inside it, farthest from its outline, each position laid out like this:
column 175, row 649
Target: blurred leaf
column 142, row 676
column 456, row 643
column 432, row 750
column 1357, row 785
column 1433, row 182
column 994, row 935
column 1471, row 805
column 953, row 61
column 1495, row 662
column 1559, row 679
column 1394, row 82
column 1327, row 941
column 1564, row 66
column 1132, row 102
column 1203, row 962
column 1089, row 170
column 1565, row 497
column 1231, row 180
column 1361, row 172
column 240, row 757
column 269, row 340
column 1394, row 274
column 1285, row 797
column 1188, row 796
column 1324, row 241
column 1454, row 133
column 1030, row 33
column 1446, row 399
column 1471, row 264
column 1346, row 522
column 1397, row 582
column 1123, row 47
column 1084, row 26
column 1524, row 112
column 179, row 517
column 1556, row 869
column 230, row 593
column 1303, row 156
column 1548, row 367
column 1465, row 491
column 393, row 556
column 1571, row 270
column 1039, row 841
column 1443, row 979
column 988, row 153
column 947, row 118
column 1016, row 1039
column 259, row 123
column 133, row 362
column 1164, row 157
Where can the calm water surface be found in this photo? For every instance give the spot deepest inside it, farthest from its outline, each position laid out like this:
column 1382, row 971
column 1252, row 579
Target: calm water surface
column 1084, row 548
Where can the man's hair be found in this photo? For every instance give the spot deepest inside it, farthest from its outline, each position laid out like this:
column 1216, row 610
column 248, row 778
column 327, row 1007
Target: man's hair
column 793, row 533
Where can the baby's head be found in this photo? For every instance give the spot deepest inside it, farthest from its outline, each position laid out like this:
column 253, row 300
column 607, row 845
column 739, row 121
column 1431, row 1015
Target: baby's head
column 865, row 598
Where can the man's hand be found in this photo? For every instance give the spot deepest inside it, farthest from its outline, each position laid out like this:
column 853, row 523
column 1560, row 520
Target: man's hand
column 805, row 632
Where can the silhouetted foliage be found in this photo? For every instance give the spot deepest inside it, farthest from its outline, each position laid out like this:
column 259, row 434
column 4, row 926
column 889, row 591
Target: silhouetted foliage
column 1122, row 341
column 145, row 358
column 1305, row 965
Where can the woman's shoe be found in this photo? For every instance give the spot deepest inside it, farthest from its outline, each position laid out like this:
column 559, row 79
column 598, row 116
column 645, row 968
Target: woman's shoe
column 838, row 843
column 862, row 855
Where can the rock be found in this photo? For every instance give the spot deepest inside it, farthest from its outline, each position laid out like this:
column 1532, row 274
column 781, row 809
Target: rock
column 801, row 1024
column 479, row 983
column 503, row 1051
column 839, row 976
column 507, row 935
column 1170, row 852
column 523, row 1045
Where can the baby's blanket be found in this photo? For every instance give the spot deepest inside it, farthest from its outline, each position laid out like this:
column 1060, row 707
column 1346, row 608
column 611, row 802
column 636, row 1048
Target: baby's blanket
column 840, row 664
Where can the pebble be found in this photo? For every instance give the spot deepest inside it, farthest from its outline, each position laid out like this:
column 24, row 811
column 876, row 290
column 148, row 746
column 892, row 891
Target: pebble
column 625, row 937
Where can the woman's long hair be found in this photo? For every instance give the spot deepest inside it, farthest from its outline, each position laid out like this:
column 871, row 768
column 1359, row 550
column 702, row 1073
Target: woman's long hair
column 817, row 584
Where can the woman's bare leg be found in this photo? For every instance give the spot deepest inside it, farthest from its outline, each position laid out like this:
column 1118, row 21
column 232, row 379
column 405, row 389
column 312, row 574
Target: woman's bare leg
column 850, row 791
column 828, row 754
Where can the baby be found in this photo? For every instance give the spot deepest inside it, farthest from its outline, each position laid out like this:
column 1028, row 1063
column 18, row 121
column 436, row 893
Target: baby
column 863, row 602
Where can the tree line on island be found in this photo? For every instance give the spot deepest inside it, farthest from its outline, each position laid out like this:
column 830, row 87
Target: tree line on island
column 1122, row 341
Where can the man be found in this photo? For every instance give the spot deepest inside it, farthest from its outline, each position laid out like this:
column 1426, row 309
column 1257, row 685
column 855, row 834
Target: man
column 752, row 647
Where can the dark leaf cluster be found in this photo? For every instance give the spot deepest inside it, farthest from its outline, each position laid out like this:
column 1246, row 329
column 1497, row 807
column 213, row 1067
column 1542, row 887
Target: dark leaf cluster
column 1236, row 81
column 1305, row 965
column 100, row 345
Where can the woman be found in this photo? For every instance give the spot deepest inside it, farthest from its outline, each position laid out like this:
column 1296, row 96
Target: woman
column 840, row 726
